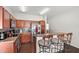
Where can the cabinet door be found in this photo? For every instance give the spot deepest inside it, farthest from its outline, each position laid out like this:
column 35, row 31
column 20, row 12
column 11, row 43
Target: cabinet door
column 42, row 26
column 6, row 47
column 6, row 22
column 1, row 17
column 15, row 47
column 25, row 37
column 22, row 24
column 27, row 24
column 28, row 37
column 42, row 23
column 19, row 23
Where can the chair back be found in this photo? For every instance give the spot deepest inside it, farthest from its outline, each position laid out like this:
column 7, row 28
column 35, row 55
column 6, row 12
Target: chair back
column 65, row 37
column 55, row 38
column 46, row 38
column 69, row 37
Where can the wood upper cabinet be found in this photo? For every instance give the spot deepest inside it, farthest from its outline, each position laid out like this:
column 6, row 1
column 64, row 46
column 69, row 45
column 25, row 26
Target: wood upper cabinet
column 18, row 24
column 23, row 24
column 4, row 18
column 27, row 24
column 1, row 17
column 6, row 23
column 42, row 23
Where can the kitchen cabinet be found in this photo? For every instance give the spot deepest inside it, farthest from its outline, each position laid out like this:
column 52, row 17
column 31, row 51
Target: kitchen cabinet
column 1, row 17
column 9, row 45
column 27, row 24
column 25, row 37
column 23, row 24
column 4, row 19
column 6, row 23
column 19, row 23
column 42, row 23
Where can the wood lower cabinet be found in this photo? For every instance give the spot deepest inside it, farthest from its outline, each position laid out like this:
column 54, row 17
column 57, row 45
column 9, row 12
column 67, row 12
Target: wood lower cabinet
column 9, row 45
column 6, row 47
column 25, row 37
column 15, row 46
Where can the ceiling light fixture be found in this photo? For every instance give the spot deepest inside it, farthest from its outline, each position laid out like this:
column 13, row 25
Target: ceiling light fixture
column 23, row 8
column 44, row 11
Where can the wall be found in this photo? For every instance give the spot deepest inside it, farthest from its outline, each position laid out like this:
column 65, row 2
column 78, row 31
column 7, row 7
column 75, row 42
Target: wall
column 66, row 22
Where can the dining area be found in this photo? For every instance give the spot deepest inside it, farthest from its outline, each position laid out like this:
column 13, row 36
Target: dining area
column 53, row 42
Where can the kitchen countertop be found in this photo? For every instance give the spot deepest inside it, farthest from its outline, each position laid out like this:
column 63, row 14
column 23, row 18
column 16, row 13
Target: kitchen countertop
column 25, row 32
column 12, row 39
column 38, row 35
column 9, row 39
column 10, row 45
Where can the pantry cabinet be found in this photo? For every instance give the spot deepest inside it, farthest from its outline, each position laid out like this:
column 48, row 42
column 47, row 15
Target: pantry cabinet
column 42, row 23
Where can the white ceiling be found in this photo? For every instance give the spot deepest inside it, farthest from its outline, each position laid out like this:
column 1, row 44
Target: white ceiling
column 35, row 10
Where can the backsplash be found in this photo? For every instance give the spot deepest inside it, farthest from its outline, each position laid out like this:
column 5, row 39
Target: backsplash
column 25, row 30
column 12, row 32
column 8, row 33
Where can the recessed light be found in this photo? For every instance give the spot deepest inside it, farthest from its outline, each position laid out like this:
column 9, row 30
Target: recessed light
column 23, row 8
column 44, row 11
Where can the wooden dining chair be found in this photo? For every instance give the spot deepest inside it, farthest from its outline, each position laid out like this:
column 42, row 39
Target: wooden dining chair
column 69, row 39
column 56, row 44
column 65, row 38
column 44, row 44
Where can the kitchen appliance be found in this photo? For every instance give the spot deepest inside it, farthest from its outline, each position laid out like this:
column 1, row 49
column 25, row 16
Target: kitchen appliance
column 3, row 35
column 12, row 23
column 15, row 32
